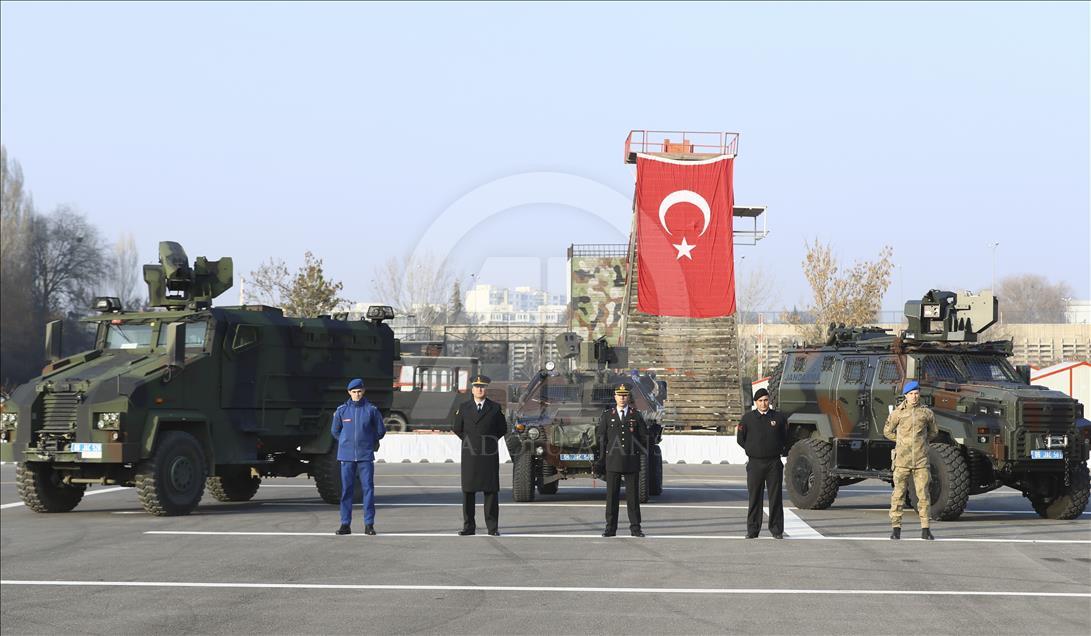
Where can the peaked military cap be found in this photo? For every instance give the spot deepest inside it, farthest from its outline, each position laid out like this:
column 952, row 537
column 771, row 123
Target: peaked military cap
column 622, row 389
column 481, row 380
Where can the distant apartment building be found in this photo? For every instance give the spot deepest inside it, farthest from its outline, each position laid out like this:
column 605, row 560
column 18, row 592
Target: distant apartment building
column 489, row 304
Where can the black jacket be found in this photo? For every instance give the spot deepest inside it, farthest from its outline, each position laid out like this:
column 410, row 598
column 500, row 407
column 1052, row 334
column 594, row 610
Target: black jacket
column 763, row 436
column 622, row 443
column 480, row 433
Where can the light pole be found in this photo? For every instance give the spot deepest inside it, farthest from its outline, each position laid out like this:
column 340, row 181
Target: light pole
column 994, row 246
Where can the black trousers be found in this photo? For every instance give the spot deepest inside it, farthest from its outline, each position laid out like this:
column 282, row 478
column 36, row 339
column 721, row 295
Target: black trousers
column 492, row 511
column 762, row 473
column 632, row 499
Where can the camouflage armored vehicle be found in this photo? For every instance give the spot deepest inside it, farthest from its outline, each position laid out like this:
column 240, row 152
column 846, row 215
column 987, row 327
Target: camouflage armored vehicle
column 170, row 400
column 995, row 429
column 553, row 419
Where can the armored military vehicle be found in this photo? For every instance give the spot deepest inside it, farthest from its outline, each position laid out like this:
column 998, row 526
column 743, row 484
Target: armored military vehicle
column 553, row 419
column 995, row 428
column 428, row 391
column 170, row 400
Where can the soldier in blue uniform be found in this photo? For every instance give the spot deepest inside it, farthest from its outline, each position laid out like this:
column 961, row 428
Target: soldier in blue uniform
column 357, row 426
column 622, row 440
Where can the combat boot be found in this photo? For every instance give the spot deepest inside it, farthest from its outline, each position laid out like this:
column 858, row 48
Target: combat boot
column 926, row 534
column 344, row 529
column 369, row 529
column 896, row 533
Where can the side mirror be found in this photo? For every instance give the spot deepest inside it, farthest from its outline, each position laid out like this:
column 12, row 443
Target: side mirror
column 662, row 384
column 53, row 340
column 747, row 388
column 1024, row 373
column 176, row 346
column 911, row 368
column 514, row 393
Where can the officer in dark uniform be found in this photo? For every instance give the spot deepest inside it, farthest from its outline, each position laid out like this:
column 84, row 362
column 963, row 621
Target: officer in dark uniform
column 480, row 423
column 622, row 439
column 763, row 434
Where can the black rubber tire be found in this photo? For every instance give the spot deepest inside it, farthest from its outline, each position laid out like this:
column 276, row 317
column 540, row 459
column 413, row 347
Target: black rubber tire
column 326, row 471
column 949, row 484
column 172, row 481
column 807, row 475
column 41, row 489
column 1071, row 501
column 522, row 477
column 643, row 479
column 396, row 423
column 548, row 470
column 655, row 463
column 234, row 483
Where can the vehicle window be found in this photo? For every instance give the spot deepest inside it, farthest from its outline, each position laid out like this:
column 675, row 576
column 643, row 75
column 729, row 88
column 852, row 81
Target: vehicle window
column 195, row 336
column 854, row 372
column 463, row 380
column 433, row 379
column 941, row 369
column 560, row 393
column 245, row 335
column 603, row 395
column 989, row 369
column 889, row 373
column 129, row 336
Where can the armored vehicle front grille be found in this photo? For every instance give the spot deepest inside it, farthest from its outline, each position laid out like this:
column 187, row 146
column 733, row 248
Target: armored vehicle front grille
column 1042, row 416
column 59, row 411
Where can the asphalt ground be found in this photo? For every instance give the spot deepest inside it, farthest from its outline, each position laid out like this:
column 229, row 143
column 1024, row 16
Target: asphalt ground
column 273, row 565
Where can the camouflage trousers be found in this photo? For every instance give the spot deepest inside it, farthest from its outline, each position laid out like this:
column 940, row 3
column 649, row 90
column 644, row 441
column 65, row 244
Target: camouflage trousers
column 921, row 477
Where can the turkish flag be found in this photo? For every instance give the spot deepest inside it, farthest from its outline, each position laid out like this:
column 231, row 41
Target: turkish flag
column 684, row 237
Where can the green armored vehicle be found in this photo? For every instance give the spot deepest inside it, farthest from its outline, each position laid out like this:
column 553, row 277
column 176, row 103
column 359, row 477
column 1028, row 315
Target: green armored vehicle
column 554, row 418
column 995, row 428
column 170, row 400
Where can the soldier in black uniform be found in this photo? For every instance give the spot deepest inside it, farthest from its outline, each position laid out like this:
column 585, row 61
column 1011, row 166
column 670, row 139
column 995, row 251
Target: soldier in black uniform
column 480, row 423
column 763, row 434
column 622, row 439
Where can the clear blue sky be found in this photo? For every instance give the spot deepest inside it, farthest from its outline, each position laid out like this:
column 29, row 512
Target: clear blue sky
column 259, row 130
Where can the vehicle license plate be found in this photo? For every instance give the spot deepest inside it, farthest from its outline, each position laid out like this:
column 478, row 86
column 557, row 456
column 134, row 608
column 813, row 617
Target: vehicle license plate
column 87, row 451
column 1046, row 454
column 577, row 457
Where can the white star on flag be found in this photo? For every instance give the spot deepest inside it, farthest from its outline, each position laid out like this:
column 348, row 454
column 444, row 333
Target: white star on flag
column 684, row 250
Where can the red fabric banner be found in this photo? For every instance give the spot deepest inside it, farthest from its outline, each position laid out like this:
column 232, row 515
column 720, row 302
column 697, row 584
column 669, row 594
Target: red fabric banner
column 684, row 237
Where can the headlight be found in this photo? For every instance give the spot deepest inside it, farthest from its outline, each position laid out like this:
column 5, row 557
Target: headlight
column 108, row 420
column 534, row 432
column 9, row 419
column 551, row 365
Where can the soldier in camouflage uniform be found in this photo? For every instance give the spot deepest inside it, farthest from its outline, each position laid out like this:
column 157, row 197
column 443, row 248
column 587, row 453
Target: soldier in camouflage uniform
column 911, row 426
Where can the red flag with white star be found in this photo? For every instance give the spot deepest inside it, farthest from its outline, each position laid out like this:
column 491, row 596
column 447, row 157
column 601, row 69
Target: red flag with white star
column 684, row 252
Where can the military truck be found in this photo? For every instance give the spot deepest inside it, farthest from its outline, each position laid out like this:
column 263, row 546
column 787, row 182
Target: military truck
column 169, row 401
column 553, row 419
column 995, row 428
column 428, row 391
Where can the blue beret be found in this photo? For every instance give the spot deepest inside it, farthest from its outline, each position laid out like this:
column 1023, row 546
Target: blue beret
column 356, row 384
column 910, row 386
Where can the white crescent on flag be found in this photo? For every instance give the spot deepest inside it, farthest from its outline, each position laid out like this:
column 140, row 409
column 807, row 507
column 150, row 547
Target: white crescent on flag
column 684, row 196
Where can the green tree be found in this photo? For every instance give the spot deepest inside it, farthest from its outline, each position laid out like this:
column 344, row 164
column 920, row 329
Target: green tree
column 307, row 294
column 852, row 296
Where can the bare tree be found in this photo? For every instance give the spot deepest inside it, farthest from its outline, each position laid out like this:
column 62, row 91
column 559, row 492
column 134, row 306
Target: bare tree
column 755, row 292
column 851, row 296
column 125, row 272
column 306, row 294
column 416, row 285
column 18, row 324
column 69, row 261
column 1030, row 298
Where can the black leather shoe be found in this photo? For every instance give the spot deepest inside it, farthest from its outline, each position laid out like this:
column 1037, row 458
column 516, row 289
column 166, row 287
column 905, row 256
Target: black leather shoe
column 636, row 533
column 466, row 532
column 494, row 533
column 896, row 533
column 344, row 529
column 369, row 529
column 926, row 534
column 608, row 533
column 778, row 535
column 751, row 536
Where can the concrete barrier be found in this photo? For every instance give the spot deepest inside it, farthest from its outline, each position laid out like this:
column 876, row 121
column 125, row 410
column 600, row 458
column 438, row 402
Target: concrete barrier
column 445, row 448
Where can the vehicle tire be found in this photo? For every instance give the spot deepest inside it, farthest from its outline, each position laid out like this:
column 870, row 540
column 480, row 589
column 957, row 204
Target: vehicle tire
column 808, row 477
column 172, row 481
column 1070, row 501
column 41, row 489
column 522, row 477
column 655, row 464
column 548, row 470
column 848, row 481
column 949, row 484
column 234, row 483
column 643, row 479
column 327, row 478
column 396, row 423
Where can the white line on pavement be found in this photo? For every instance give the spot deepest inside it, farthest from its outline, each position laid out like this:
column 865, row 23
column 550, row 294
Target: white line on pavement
column 795, row 527
column 572, row 589
column 592, row 536
column 86, row 494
